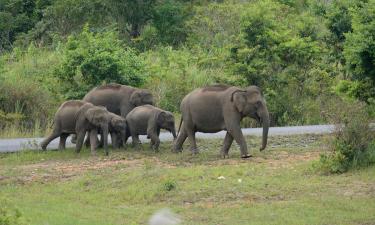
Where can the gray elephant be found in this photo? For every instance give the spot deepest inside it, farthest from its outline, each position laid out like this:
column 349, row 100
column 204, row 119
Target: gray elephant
column 79, row 117
column 116, row 128
column 119, row 99
column 148, row 120
column 221, row 107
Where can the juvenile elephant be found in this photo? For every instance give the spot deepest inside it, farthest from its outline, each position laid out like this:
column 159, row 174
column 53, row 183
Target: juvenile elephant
column 116, row 128
column 221, row 107
column 79, row 117
column 148, row 119
column 118, row 99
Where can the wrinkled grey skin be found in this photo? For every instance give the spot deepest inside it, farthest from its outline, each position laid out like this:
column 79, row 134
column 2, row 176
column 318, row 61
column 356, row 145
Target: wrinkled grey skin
column 79, row 117
column 116, row 128
column 119, row 99
column 221, row 107
column 148, row 120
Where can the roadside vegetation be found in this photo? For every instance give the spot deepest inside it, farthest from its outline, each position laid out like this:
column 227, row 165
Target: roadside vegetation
column 305, row 55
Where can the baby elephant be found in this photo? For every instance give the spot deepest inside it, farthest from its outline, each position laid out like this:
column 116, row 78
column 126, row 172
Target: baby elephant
column 148, row 119
column 79, row 117
column 117, row 130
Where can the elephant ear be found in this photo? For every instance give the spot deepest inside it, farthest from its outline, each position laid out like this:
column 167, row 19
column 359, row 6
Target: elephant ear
column 161, row 117
column 239, row 99
column 136, row 98
column 80, row 116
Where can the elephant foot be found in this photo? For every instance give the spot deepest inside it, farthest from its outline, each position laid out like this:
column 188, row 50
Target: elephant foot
column 224, row 156
column 154, row 148
column 195, row 151
column 246, row 156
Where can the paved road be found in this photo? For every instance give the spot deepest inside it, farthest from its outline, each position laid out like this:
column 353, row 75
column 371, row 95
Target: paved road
column 17, row 144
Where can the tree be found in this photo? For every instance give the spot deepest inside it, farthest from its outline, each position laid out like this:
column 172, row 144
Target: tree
column 359, row 49
column 131, row 15
column 92, row 59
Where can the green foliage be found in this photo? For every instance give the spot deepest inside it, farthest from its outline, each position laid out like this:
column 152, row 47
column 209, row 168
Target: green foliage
column 131, row 15
column 92, row 59
column 281, row 54
column 353, row 145
column 168, row 19
column 18, row 17
column 359, row 49
column 28, row 95
column 169, row 185
column 179, row 69
column 10, row 215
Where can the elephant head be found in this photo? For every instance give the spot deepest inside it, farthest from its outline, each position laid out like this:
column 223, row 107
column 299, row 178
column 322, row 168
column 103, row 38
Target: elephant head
column 141, row 97
column 250, row 102
column 165, row 120
column 118, row 123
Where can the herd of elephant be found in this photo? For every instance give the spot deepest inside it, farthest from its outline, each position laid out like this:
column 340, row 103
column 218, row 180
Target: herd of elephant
column 123, row 111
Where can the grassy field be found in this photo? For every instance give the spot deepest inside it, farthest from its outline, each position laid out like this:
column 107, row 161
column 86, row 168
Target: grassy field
column 276, row 186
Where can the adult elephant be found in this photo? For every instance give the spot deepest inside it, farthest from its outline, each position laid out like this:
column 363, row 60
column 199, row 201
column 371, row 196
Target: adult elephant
column 222, row 107
column 118, row 99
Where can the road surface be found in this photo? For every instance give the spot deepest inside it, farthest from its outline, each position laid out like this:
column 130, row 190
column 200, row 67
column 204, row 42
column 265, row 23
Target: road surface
column 18, row 144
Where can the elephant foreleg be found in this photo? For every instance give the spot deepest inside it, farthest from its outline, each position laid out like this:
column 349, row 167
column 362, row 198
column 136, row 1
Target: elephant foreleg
column 80, row 139
column 115, row 140
column 93, row 140
column 135, row 140
column 62, row 142
column 228, row 140
column 238, row 136
column 155, row 141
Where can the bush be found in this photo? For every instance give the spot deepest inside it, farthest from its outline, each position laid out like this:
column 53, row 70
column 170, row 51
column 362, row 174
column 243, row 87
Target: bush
column 353, row 144
column 173, row 74
column 92, row 59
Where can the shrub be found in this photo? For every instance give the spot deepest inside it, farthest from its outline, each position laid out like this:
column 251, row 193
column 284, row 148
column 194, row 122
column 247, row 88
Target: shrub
column 353, row 144
column 170, row 185
column 172, row 74
column 92, row 59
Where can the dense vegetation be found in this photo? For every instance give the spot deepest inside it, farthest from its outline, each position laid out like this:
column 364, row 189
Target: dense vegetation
column 307, row 56
column 303, row 54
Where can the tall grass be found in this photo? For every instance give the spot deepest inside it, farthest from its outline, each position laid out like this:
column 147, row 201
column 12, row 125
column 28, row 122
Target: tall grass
column 28, row 91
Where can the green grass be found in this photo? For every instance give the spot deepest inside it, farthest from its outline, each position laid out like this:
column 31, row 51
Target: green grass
column 277, row 186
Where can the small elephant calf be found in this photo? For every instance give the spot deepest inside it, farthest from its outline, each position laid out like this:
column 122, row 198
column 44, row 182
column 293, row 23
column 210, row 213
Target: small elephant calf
column 148, row 120
column 79, row 117
column 117, row 130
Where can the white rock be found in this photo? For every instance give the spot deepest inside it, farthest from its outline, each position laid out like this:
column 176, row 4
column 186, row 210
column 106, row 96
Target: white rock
column 164, row 217
column 221, row 178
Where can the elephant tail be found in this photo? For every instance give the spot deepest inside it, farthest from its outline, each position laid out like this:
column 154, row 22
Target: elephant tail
column 179, row 127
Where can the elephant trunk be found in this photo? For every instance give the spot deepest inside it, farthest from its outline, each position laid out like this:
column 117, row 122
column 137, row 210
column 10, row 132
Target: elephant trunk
column 105, row 138
column 266, row 124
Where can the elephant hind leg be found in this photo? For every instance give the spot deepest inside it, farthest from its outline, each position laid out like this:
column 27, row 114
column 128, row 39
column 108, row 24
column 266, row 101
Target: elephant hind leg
column 63, row 138
column 180, row 141
column 48, row 139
